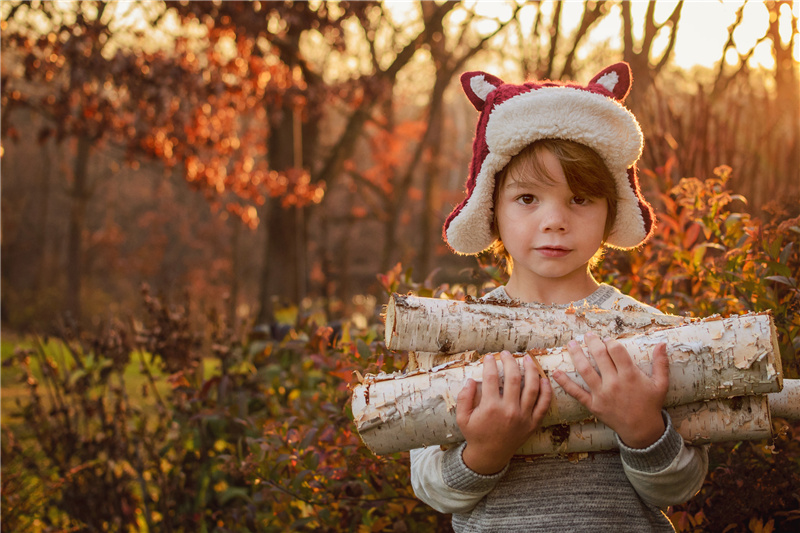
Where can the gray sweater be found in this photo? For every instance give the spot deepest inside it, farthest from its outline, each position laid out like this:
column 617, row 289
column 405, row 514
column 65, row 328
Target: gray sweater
column 621, row 490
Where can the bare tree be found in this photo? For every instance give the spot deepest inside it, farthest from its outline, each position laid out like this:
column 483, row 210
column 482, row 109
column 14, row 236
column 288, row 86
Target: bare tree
column 644, row 66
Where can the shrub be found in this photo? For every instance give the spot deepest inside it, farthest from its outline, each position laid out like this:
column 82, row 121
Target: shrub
column 708, row 258
column 212, row 433
column 160, row 425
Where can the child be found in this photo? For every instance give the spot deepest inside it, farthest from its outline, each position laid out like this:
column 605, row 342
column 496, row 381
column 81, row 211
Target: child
column 553, row 181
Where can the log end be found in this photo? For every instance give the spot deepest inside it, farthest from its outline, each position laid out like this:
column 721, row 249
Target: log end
column 776, row 349
column 389, row 322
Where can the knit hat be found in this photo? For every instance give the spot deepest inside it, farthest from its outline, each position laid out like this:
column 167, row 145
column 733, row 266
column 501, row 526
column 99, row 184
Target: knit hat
column 514, row 116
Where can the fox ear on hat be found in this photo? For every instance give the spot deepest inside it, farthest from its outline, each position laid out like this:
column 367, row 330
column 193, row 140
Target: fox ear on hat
column 477, row 86
column 616, row 79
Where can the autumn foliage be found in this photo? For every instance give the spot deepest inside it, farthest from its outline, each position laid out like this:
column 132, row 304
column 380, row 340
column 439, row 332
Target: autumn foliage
column 226, row 434
column 256, row 168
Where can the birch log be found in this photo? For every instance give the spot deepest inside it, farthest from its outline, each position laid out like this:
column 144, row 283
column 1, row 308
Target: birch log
column 714, row 358
column 744, row 418
column 450, row 326
column 786, row 403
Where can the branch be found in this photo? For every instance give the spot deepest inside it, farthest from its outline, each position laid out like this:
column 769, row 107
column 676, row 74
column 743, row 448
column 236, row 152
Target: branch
column 410, row 49
column 588, row 19
column 720, row 83
column 673, row 21
column 377, row 210
column 650, row 29
column 743, row 59
column 477, row 48
column 344, row 147
column 555, row 32
column 627, row 32
column 13, row 11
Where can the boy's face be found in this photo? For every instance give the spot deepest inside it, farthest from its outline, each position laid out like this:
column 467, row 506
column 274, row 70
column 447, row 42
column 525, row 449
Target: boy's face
column 550, row 232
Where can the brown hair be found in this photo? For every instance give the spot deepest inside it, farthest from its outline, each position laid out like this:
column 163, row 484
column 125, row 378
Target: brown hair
column 586, row 174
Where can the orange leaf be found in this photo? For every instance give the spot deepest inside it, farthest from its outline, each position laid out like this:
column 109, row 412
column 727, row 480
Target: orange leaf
column 691, row 236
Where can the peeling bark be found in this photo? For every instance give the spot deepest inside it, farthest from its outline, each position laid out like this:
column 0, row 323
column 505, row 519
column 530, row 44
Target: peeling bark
column 709, row 359
column 450, row 326
column 742, row 418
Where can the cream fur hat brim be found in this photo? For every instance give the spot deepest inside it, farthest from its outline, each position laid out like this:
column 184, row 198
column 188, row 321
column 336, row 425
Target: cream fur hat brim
column 514, row 116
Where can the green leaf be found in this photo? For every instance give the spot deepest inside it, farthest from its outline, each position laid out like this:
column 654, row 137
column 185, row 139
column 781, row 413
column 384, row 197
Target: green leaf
column 75, row 376
column 786, row 253
column 297, row 482
column 308, row 439
column 234, row 493
column 312, row 461
column 790, row 282
column 779, row 268
column 363, row 350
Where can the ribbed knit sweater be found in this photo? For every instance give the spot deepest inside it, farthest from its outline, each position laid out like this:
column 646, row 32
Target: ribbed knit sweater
column 620, row 490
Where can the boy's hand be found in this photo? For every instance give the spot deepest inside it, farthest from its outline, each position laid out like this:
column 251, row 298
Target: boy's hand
column 620, row 395
column 498, row 423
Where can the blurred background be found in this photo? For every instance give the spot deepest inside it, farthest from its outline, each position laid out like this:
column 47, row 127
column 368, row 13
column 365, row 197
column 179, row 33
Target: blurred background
column 265, row 155
column 205, row 206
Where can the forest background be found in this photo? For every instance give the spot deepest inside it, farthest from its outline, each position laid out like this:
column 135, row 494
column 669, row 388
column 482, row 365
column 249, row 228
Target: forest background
column 226, row 192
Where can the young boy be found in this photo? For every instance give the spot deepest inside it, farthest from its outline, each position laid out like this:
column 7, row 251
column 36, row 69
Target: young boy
column 553, row 181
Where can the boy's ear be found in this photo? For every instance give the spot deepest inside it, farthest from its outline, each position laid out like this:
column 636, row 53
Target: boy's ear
column 616, row 79
column 477, row 86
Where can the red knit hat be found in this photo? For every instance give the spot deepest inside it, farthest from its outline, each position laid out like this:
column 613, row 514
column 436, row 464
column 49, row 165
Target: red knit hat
column 514, row 116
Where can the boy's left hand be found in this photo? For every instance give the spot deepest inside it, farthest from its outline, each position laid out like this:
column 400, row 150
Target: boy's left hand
column 620, row 395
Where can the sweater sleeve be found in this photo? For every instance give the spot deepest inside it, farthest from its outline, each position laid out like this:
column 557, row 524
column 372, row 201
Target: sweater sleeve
column 442, row 480
column 668, row 471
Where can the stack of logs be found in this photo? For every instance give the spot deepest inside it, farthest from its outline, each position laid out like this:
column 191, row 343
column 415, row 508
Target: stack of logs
column 725, row 373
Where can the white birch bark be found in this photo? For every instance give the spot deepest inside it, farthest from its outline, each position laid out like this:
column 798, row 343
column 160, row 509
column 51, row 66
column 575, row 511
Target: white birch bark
column 786, row 403
column 735, row 419
column 428, row 360
column 743, row 418
column 451, row 326
column 713, row 358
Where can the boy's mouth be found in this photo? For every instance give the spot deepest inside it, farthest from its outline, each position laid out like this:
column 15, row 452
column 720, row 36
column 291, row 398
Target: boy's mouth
column 552, row 251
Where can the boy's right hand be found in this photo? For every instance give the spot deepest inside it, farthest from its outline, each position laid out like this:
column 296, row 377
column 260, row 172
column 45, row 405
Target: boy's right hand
column 500, row 422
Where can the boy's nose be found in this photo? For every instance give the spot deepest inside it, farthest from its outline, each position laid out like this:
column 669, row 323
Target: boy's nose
column 554, row 219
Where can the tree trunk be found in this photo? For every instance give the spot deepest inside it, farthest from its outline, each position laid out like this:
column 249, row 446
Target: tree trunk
column 80, row 193
column 42, row 233
column 451, row 326
column 709, row 359
column 430, row 218
column 280, row 248
column 233, row 297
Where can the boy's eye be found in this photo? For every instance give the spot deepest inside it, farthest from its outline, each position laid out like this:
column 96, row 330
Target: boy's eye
column 526, row 199
column 579, row 200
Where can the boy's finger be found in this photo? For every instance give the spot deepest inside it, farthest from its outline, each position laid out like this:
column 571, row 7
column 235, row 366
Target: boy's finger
column 582, row 365
column 491, row 382
column 511, row 377
column 465, row 403
column 572, row 388
column 531, row 390
column 661, row 366
column 605, row 365
column 619, row 355
column 542, row 401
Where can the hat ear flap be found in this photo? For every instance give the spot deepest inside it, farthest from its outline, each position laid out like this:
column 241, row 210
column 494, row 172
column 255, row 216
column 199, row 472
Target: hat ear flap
column 616, row 79
column 478, row 85
column 646, row 210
